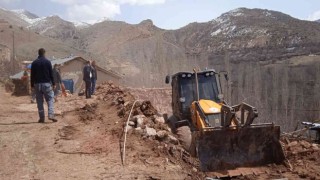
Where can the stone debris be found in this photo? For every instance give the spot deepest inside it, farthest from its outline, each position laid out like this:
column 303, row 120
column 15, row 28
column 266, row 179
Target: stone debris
column 131, row 123
column 159, row 120
column 173, row 139
column 161, row 135
column 140, row 121
column 145, row 118
column 150, row 131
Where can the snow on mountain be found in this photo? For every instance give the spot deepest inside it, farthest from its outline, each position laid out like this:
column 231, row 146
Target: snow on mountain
column 27, row 16
column 234, row 23
column 81, row 25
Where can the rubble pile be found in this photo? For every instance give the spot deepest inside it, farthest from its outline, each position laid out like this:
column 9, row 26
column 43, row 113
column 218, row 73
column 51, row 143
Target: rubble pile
column 124, row 100
column 151, row 140
column 147, row 124
column 144, row 120
column 302, row 156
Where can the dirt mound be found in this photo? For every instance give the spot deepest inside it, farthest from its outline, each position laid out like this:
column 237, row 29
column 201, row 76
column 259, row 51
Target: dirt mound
column 303, row 157
column 99, row 125
column 124, row 100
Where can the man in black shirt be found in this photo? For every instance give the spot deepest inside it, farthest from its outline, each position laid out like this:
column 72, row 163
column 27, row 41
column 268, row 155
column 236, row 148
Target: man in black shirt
column 43, row 84
column 87, row 75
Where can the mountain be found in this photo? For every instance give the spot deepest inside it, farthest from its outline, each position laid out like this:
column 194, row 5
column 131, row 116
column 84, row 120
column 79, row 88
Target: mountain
column 51, row 26
column 27, row 42
column 267, row 54
column 26, row 15
column 318, row 20
column 12, row 17
column 271, row 58
column 54, row 27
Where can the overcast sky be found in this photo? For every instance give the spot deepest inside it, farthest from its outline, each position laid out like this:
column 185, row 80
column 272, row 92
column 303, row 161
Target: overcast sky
column 167, row 14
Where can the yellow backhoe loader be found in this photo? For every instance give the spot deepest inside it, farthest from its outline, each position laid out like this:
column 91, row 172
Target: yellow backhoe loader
column 223, row 137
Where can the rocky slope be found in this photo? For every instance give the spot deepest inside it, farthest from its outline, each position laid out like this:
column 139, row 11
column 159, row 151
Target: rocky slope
column 54, row 27
column 270, row 57
column 28, row 42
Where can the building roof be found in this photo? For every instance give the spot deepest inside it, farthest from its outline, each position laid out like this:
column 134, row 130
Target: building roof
column 68, row 59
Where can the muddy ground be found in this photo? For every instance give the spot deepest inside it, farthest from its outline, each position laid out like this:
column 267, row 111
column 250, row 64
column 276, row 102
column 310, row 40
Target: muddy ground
column 87, row 143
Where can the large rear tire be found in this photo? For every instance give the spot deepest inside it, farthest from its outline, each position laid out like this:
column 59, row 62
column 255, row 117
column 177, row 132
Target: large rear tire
column 193, row 147
column 184, row 136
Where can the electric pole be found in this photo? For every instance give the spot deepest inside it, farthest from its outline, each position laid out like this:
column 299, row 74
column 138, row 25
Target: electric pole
column 13, row 53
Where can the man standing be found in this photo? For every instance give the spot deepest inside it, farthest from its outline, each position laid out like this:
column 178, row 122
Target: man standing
column 94, row 77
column 87, row 75
column 42, row 82
column 57, row 81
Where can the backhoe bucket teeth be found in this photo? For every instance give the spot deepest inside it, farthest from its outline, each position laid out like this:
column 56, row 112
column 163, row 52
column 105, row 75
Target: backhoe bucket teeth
column 227, row 148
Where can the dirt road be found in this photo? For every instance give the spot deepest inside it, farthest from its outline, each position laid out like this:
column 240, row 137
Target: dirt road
column 77, row 147
column 86, row 144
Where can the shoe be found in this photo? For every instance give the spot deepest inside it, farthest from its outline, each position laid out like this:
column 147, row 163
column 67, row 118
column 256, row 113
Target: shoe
column 41, row 121
column 53, row 119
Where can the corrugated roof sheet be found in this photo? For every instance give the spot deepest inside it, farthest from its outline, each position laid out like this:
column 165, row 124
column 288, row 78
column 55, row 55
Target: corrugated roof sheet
column 53, row 62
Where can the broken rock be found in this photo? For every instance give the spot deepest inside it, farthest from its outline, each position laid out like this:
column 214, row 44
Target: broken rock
column 150, row 131
column 159, row 120
column 161, row 135
column 305, row 144
column 131, row 123
column 173, row 139
column 140, row 121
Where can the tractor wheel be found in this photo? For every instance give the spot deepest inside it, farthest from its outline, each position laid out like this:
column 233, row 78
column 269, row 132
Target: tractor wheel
column 184, row 136
column 193, row 146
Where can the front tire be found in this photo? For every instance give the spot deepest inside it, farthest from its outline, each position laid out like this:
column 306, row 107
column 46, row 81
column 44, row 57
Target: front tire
column 185, row 137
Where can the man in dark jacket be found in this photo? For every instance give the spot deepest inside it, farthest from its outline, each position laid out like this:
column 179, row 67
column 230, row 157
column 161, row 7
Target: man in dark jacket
column 42, row 82
column 87, row 75
column 94, row 77
column 57, row 80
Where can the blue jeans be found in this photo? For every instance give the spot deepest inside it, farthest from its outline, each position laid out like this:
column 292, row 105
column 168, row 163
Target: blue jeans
column 44, row 90
column 93, row 86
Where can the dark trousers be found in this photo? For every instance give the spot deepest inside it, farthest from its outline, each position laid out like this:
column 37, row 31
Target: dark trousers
column 93, row 85
column 88, row 89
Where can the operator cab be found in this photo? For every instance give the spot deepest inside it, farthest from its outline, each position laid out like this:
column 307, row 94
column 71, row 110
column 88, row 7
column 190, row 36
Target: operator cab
column 184, row 90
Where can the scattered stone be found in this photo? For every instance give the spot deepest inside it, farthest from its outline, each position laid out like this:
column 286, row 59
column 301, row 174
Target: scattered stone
column 315, row 146
column 161, row 135
column 293, row 143
column 305, row 144
column 159, row 120
column 131, row 123
column 140, row 121
column 138, row 129
column 194, row 169
column 58, row 113
column 150, row 131
column 173, row 139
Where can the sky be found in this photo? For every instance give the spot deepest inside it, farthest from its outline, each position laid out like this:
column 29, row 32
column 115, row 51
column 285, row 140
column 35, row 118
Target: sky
column 166, row 14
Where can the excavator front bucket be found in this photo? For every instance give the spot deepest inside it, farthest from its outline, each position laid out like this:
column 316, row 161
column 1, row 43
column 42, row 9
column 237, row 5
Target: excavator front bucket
column 227, row 148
